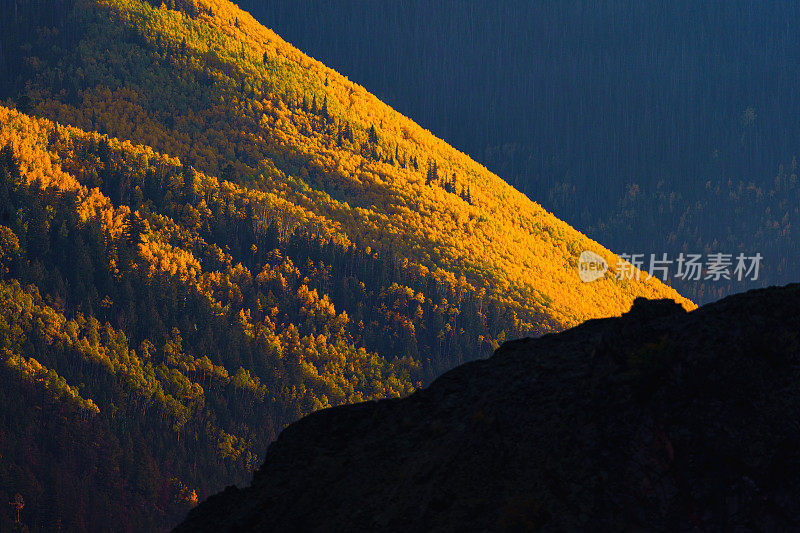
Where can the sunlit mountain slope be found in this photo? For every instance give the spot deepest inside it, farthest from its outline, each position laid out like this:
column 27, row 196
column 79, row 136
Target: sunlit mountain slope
column 205, row 235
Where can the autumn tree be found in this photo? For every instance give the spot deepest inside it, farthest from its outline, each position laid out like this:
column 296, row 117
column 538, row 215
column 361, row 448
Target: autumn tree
column 17, row 503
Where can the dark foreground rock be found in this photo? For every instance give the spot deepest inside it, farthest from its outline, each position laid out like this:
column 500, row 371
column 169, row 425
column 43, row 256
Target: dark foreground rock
column 657, row 420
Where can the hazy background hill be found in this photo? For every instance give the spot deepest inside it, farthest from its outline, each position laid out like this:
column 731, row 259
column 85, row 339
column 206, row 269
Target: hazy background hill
column 653, row 127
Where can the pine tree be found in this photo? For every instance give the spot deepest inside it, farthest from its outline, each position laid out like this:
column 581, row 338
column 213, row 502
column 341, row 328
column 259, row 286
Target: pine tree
column 433, row 172
column 135, row 229
column 450, row 186
column 189, row 182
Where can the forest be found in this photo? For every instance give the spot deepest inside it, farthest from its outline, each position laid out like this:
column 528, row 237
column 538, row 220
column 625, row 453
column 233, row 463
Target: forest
column 206, row 234
column 678, row 119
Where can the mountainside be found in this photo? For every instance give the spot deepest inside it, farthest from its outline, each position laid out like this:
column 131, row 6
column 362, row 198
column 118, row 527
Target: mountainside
column 209, row 85
column 677, row 118
column 205, row 235
column 659, row 420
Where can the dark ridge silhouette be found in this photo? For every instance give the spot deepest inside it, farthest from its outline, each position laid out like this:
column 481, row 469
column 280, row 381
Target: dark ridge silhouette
column 656, row 420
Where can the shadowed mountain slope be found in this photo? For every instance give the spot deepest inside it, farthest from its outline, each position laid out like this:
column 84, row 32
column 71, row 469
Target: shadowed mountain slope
column 678, row 119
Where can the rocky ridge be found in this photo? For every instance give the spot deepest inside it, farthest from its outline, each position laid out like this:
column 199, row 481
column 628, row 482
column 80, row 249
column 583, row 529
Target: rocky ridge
column 657, row 420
